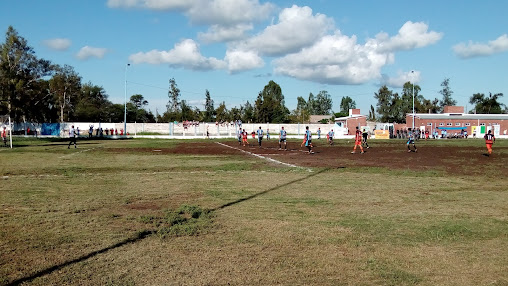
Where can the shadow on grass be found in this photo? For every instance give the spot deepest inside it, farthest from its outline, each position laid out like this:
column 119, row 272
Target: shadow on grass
column 41, row 273
column 145, row 234
column 267, row 191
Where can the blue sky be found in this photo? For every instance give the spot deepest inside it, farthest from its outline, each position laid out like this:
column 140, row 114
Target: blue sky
column 234, row 48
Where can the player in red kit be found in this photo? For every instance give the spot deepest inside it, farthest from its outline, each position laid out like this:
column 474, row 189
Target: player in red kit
column 489, row 140
column 244, row 138
column 358, row 140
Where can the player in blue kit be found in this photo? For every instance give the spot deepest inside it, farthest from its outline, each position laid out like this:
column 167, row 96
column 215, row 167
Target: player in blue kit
column 282, row 139
column 260, row 135
column 411, row 140
column 308, row 139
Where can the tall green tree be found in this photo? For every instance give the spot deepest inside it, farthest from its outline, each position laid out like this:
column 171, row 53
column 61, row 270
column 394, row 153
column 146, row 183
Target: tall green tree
column 248, row 112
column 187, row 113
column 93, row 105
column 487, row 104
column 209, row 108
column 44, row 108
column 235, row 113
column 372, row 114
column 311, row 104
column 346, row 103
column 387, row 105
column 323, row 103
column 21, row 75
column 446, row 92
column 114, row 112
column 270, row 105
column 173, row 97
column 65, row 85
column 222, row 112
column 138, row 101
column 301, row 113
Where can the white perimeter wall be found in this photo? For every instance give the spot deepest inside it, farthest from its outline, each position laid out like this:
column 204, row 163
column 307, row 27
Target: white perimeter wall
column 178, row 130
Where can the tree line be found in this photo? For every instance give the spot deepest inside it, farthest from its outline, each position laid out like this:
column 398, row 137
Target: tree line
column 392, row 107
column 34, row 89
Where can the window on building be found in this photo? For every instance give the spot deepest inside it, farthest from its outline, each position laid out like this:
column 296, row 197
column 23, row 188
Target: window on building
column 468, row 124
column 441, row 124
column 495, row 123
column 482, row 124
column 429, row 124
column 449, row 124
column 457, row 124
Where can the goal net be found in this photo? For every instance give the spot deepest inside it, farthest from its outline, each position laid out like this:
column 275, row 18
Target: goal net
column 5, row 125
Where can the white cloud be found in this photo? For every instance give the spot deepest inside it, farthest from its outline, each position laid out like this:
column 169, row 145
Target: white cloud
column 296, row 28
column 401, row 79
column 334, row 59
column 58, row 44
column 197, row 102
column 472, row 50
column 308, row 46
column 185, row 54
column 243, row 60
column 152, row 4
column 217, row 33
column 339, row 59
column 210, row 12
column 228, row 12
column 411, row 35
column 87, row 52
column 228, row 19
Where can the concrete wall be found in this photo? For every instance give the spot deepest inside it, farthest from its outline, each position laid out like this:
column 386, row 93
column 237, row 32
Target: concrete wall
column 179, row 130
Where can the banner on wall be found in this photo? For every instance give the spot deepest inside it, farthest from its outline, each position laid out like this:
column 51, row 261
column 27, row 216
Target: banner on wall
column 50, row 129
column 381, row 134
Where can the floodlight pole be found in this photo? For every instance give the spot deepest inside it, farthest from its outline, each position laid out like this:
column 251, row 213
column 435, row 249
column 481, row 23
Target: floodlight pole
column 125, row 105
column 413, row 129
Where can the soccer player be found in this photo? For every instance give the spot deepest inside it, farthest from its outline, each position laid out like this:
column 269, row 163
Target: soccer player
column 411, row 140
column 282, row 139
column 4, row 136
column 308, row 139
column 319, row 133
column 329, row 136
column 72, row 137
column 244, row 138
column 489, row 140
column 358, row 140
column 260, row 135
column 239, row 134
column 365, row 135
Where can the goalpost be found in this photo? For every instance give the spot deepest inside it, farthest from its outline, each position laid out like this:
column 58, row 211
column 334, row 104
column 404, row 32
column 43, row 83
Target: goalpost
column 5, row 121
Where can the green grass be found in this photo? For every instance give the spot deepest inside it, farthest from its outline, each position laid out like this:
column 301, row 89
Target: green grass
column 120, row 214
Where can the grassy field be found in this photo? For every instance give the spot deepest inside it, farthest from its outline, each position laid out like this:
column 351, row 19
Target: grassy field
column 123, row 213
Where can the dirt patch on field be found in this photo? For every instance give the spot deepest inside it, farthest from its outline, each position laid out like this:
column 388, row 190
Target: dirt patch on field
column 453, row 160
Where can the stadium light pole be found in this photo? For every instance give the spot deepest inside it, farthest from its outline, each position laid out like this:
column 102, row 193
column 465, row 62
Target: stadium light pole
column 125, row 104
column 412, row 73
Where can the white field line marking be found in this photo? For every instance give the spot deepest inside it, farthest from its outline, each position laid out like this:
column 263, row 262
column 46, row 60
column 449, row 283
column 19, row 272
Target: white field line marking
column 262, row 157
column 82, row 151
